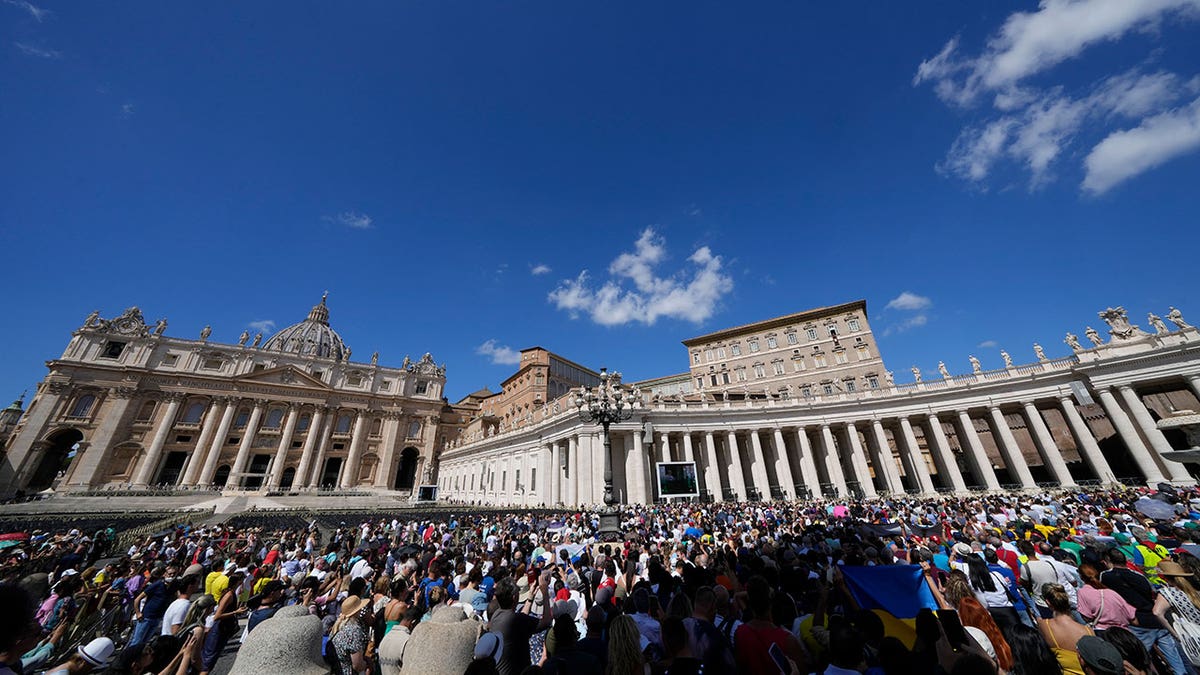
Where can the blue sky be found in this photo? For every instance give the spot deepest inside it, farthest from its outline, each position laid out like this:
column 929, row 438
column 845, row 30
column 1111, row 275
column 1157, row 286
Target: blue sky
column 997, row 173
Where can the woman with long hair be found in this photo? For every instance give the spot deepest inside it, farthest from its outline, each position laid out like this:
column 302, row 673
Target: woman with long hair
column 624, row 648
column 1061, row 631
column 225, row 623
column 1031, row 654
column 991, row 590
column 349, row 636
column 958, row 595
column 1177, row 593
column 1102, row 607
column 1137, row 659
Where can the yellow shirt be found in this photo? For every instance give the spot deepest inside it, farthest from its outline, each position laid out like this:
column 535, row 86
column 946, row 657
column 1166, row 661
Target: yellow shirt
column 219, row 585
column 258, row 585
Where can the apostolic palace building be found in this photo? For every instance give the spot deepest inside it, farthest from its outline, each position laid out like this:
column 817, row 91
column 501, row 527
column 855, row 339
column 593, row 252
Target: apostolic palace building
column 800, row 404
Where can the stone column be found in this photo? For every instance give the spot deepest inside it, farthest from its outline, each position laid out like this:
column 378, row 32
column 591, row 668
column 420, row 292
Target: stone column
column 1141, row 454
column 891, row 472
column 149, row 465
column 573, row 481
column 736, row 480
column 783, row 466
column 311, row 438
column 712, row 470
column 597, row 472
column 758, row 466
column 1194, row 381
column 941, row 445
column 547, row 478
column 387, row 458
column 665, row 444
column 808, row 465
column 350, row 470
column 218, row 441
column 979, row 459
column 689, row 455
column 833, row 463
column 555, row 474
column 195, row 460
column 859, row 460
column 1050, row 452
column 1013, row 459
column 243, row 453
column 1141, row 415
column 636, row 480
column 285, row 444
column 314, row 479
column 915, row 458
column 87, row 464
column 1086, row 441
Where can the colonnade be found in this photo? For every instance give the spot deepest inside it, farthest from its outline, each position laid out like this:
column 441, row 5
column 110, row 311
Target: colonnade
column 782, row 458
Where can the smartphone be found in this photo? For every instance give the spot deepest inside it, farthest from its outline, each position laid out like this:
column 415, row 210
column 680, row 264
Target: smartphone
column 780, row 659
column 953, row 627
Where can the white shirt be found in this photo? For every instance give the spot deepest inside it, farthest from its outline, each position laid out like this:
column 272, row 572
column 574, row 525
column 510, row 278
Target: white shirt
column 174, row 615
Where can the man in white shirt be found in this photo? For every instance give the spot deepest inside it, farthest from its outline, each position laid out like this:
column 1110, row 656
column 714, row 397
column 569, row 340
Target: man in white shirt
column 177, row 610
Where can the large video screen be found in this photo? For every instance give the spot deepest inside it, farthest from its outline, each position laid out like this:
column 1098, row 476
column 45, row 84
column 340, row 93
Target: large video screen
column 427, row 493
column 677, row 479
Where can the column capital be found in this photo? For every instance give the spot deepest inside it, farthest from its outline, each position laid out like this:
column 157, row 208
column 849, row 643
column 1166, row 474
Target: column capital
column 174, row 395
column 58, row 387
column 1124, row 387
column 123, row 392
column 261, row 402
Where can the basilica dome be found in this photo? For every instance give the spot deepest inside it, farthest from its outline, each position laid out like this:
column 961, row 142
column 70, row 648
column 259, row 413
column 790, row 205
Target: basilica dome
column 310, row 337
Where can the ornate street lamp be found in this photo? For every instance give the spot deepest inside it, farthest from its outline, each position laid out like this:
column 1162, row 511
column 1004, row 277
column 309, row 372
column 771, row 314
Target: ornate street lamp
column 606, row 404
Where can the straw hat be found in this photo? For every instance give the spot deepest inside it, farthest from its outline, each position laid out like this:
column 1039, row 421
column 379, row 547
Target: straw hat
column 353, row 604
column 1168, row 568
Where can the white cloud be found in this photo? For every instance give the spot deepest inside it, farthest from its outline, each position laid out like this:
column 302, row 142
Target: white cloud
column 909, row 301
column 127, row 110
column 351, row 219
column 1125, row 154
column 988, row 344
column 31, row 50
column 1033, row 127
column 500, row 355
column 262, row 325
column 689, row 295
column 36, row 12
column 539, row 269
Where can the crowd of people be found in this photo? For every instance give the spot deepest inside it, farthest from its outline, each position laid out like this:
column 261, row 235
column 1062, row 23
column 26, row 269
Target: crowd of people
column 1083, row 582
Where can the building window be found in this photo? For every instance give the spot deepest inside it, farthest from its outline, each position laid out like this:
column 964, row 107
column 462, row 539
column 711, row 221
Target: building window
column 699, row 382
column 376, row 426
column 713, row 378
column 832, row 330
column 811, row 333
column 303, row 423
column 772, row 343
column 725, row 378
column 864, row 352
column 828, row 389
column 319, row 374
column 760, row 370
column 211, row 363
column 147, row 412
column 736, row 350
column 422, row 387
column 242, row 419
column 840, row 356
column 854, row 326
column 354, row 380
column 532, row 478
column 343, row 424
column 274, row 419
column 873, row 381
column 819, row 360
column 721, row 353
column 792, row 339
column 170, row 360
column 778, row 367
column 753, row 346
column 806, row 391
column 695, row 357
column 708, row 355
column 741, row 374
column 850, row 386
column 386, row 385
column 193, row 413
column 112, row 350
column 797, row 363
column 414, row 430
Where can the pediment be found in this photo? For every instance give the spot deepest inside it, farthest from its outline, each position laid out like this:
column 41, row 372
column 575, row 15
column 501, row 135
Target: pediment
column 285, row 375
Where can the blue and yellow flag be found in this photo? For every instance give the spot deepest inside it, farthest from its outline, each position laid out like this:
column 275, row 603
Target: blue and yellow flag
column 895, row 592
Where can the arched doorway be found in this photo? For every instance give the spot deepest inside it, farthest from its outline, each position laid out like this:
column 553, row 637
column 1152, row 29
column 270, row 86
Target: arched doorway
column 221, row 477
column 60, row 448
column 406, row 477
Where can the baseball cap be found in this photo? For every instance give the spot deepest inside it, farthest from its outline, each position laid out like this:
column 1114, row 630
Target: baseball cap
column 489, row 645
column 1102, row 657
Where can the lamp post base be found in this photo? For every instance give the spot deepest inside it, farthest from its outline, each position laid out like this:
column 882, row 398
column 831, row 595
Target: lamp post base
column 610, row 525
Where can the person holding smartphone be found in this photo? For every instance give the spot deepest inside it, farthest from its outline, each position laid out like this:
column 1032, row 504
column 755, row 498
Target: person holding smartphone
column 754, row 638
